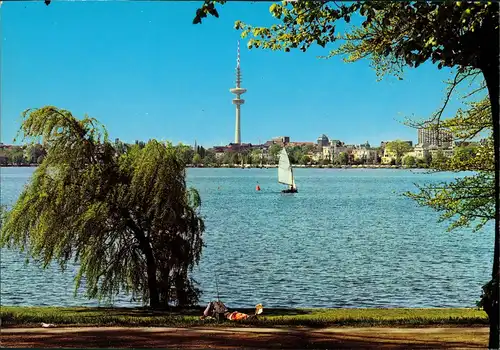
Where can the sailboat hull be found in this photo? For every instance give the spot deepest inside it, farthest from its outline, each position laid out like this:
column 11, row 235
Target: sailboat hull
column 290, row 190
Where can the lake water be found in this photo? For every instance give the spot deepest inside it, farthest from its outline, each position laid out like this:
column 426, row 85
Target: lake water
column 347, row 239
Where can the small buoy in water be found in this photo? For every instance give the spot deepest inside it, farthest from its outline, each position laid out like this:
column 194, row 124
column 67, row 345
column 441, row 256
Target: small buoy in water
column 257, row 188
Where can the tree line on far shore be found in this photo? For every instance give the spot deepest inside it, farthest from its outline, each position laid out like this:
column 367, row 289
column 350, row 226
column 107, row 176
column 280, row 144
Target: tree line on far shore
column 22, row 155
column 302, row 155
column 33, row 154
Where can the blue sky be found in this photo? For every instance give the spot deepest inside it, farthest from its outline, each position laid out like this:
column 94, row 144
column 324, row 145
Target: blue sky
column 145, row 71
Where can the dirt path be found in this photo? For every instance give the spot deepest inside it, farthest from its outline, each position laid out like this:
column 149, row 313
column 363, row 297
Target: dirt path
column 230, row 338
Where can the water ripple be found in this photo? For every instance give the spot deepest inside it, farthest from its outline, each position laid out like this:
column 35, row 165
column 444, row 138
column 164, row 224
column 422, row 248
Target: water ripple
column 347, row 239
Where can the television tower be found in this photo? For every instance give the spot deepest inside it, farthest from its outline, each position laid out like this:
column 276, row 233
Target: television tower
column 238, row 91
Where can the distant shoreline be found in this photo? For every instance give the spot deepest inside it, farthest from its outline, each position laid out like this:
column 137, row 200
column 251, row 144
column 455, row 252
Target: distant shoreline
column 249, row 166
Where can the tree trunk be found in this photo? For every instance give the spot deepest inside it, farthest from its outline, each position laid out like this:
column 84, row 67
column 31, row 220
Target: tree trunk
column 151, row 266
column 154, row 296
column 490, row 71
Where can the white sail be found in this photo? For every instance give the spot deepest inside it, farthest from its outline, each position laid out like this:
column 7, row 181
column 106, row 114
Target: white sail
column 285, row 175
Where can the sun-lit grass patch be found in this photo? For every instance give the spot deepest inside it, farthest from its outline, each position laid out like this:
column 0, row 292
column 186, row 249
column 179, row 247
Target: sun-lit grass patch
column 81, row 316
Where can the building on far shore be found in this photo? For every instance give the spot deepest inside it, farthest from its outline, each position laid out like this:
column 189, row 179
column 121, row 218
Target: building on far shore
column 365, row 154
column 302, row 144
column 279, row 140
column 323, row 141
column 237, row 148
column 429, row 136
column 432, row 140
column 424, row 151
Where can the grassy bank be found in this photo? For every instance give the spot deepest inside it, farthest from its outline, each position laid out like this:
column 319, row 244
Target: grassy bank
column 79, row 316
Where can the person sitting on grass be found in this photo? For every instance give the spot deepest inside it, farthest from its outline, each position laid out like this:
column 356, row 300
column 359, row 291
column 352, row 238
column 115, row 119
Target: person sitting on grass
column 236, row 316
column 214, row 309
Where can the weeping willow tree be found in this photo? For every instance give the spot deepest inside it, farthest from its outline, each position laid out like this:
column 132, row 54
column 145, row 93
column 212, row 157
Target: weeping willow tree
column 127, row 218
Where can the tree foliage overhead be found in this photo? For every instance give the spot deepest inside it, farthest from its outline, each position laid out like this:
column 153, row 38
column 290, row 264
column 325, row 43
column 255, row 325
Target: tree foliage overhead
column 126, row 217
column 394, row 34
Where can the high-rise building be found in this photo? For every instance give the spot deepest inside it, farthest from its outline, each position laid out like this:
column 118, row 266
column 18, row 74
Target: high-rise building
column 322, row 141
column 238, row 91
column 432, row 136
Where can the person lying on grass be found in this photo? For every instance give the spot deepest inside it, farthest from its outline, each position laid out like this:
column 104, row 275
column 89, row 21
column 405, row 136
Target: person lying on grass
column 216, row 308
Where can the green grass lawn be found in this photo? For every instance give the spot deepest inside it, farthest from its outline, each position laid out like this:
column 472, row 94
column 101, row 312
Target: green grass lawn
column 81, row 316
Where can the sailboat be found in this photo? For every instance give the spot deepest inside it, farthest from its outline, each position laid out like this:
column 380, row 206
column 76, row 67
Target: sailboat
column 285, row 173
